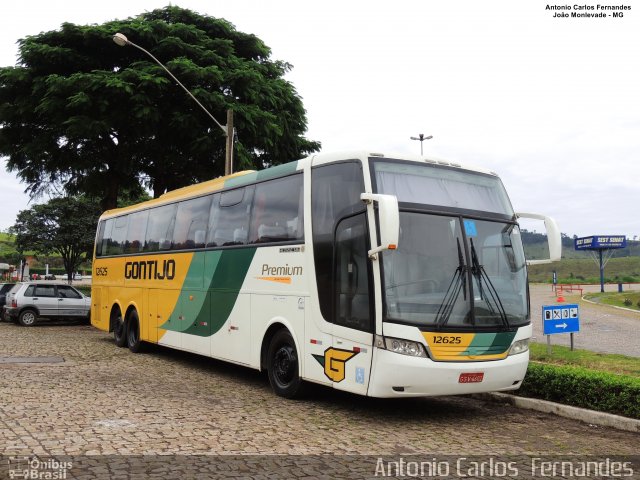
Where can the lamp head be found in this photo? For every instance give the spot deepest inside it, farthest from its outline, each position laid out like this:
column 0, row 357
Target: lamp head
column 120, row 39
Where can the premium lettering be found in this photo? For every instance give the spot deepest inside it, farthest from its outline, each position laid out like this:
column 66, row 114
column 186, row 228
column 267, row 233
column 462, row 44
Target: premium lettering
column 280, row 271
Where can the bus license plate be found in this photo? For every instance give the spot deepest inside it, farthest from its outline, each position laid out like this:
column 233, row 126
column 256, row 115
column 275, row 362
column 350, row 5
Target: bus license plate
column 471, row 377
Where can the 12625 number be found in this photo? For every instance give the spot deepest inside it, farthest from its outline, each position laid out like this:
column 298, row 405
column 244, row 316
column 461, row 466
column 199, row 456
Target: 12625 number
column 447, row 339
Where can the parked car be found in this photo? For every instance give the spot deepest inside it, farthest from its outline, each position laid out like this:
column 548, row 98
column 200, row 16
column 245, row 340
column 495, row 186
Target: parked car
column 50, row 276
column 4, row 289
column 29, row 301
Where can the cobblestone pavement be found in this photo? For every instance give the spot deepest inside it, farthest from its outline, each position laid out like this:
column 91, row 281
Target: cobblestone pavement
column 602, row 328
column 104, row 402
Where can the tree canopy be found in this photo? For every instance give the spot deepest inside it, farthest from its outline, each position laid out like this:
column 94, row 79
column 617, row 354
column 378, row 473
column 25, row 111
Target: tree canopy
column 81, row 113
column 64, row 225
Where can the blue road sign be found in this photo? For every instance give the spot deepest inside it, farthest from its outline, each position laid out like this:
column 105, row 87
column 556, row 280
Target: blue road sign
column 560, row 319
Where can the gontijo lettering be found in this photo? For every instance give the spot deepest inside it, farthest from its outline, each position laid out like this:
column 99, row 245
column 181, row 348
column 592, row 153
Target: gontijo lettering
column 150, row 270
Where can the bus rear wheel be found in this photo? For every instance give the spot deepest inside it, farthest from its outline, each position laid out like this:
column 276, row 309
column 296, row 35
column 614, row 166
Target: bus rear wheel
column 133, row 332
column 282, row 365
column 119, row 329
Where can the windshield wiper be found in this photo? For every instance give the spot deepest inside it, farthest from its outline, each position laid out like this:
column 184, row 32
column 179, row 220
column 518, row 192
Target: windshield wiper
column 480, row 274
column 457, row 284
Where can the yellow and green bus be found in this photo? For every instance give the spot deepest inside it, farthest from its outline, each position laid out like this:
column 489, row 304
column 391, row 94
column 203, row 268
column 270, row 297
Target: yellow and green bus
column 382, row 275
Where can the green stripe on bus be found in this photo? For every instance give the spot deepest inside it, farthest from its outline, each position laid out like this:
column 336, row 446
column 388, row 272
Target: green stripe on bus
column 224, row 273
column 489, row 343
column 267, row 174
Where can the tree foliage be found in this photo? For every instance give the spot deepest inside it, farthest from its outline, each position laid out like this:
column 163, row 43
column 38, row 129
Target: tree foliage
column 82, row 113
column 64, row 225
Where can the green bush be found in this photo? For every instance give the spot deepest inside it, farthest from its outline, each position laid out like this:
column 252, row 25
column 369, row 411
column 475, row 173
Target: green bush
column 605, row 392
column 627, row 302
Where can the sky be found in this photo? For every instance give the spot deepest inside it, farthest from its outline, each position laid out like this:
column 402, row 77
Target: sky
column 551, row 104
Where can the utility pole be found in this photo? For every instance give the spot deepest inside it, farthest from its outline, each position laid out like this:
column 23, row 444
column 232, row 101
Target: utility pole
column 121, row 40
column 228, row 158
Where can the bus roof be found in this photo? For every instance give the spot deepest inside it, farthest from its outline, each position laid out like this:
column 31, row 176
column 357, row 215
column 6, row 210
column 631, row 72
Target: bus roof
column 249, row 176
column 322, row 158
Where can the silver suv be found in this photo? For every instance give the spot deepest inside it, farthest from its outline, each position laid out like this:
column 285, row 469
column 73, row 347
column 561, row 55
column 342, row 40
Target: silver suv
column 28, row 301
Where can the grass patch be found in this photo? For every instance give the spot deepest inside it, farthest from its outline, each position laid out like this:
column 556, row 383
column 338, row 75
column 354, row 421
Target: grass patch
column 584, row 388
column 625, row 299
column 597, row 381
column 603, row 362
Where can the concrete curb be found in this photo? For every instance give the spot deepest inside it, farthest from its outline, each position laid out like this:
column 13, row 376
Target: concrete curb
column 587, row 416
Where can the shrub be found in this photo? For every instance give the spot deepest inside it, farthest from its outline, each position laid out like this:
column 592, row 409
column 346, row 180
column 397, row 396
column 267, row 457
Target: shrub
column 627, row 302
column 605, row 392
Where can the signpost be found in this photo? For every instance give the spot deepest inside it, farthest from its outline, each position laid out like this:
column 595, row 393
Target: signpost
column 560, row 319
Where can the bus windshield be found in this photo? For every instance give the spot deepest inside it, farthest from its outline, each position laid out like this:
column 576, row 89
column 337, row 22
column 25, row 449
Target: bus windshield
column 428, row 184
column 453, row 271
column 439, row 277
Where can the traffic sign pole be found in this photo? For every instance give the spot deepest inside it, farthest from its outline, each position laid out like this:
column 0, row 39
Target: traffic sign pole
column 560, row 319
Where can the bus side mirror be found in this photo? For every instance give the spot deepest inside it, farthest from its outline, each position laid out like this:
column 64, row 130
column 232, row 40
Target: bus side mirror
column 389, row 221
column 553, row 237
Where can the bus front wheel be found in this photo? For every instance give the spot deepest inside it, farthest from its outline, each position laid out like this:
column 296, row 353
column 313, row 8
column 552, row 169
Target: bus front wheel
column 282, row 365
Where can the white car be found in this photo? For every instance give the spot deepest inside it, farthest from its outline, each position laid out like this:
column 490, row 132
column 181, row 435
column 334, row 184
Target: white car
column 29, row 301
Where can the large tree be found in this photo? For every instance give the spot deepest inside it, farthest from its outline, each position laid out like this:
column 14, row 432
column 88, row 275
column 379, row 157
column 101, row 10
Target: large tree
column 81, row 113
column 65, row 225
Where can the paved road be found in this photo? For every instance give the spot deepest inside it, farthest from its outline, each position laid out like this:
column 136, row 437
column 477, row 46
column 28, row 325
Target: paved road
column 602, row 328
column 105, row 405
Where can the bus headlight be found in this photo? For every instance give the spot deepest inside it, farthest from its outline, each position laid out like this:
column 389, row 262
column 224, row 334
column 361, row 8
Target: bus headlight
column 404, row 347
column 520, row 346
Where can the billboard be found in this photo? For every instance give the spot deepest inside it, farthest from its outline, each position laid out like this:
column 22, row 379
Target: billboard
column 598, row 242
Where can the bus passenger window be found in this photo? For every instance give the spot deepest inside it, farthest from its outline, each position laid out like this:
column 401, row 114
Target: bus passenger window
column 118, row 236
column 230, row 213
column 136, row 232
column 191, row 223
column 278, row 208
column 104, row 237
column 160, row 228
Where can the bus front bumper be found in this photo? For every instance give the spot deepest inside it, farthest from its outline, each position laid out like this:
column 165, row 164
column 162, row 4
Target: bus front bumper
column 396, row 375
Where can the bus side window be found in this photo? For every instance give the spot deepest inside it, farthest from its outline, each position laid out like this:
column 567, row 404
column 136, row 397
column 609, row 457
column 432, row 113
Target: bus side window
column 160, row 228
column 136, row 232
column 351, row 274
column 116, row 242
column 213, row 219
column 277, row 211
column 104, row 236
column 191, row 223
column 230, row 212
column 335, row 194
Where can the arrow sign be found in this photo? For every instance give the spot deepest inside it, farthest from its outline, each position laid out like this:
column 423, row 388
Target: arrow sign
column 560, row 319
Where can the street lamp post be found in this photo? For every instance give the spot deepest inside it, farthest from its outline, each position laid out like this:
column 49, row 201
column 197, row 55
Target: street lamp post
column 123, row 41
column 421, row 138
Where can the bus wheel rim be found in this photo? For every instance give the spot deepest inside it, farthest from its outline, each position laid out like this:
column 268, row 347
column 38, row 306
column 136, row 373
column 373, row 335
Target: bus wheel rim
column 285, row 364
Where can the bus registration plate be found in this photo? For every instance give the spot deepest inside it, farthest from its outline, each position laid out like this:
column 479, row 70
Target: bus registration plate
column 471, row 377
